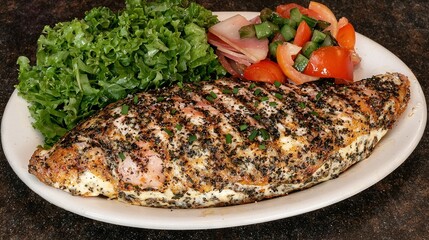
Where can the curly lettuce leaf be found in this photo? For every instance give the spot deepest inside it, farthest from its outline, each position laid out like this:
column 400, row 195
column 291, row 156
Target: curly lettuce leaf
column 84, row 64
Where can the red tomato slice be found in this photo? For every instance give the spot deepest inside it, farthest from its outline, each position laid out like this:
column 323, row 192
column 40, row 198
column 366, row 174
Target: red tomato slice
column 284, row 55
column 264, row 71
column 303, row 34
column 326, row 15
column 284, row 10
column 346, row 36
column 331, row 62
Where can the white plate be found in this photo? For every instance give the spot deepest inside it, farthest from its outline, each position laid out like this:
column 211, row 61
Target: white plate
column 19, row 141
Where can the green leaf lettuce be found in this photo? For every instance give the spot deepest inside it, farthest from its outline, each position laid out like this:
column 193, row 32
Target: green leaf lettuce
column 84, row 64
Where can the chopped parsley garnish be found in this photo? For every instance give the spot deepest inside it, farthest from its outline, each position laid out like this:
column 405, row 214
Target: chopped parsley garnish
column 252, row 86
column 301, row 104
column 264, row 134
column 278, row 96
column 257, row 117
column 169, row 132
column 235, row 90
column 243, row 127
column 314, row 113
column 179, row 127
column 122, row 156
column 210, row 98
column 226, row 91
column 192, row 138
column 160, row 99
column 228, row 138
column 253, row 135
column 277, row 84
column 256, row 103
column 257, row 92
column 265, row 98
column 262, row 146
column 124, row 109
column 273, row 104
column 213, row 95
column 318, row 96
column 136, row 99
column 173, row 111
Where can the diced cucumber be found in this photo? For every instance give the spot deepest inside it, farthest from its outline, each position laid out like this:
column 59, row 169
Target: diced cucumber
column 321, row 25
column 288, row 32
column 308, row 48
column 265, row 29
column 279, row 20
column 293, row 24
column 295, row 15
column 300, row 62
column 318, row 36
column 273, row 47
column 310, row 21
column 247, row 31
column 265, row 14
column 329, row 40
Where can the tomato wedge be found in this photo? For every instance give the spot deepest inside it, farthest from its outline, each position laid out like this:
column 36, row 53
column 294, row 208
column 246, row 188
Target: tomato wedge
column 264, row 71
column 346, row 36
column 331, row 62
column 325, row 14
column 284, row 55
column 303, row 34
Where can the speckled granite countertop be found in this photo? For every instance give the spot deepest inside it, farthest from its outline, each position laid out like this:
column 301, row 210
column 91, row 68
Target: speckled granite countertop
column 395, row 208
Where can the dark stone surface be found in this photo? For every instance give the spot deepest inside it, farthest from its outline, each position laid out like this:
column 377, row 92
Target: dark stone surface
column 395, row 208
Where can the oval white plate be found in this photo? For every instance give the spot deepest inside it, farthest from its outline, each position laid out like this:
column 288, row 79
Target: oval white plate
column 19, row 141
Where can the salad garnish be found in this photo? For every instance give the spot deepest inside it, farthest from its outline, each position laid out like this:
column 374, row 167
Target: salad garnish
column 292, row 43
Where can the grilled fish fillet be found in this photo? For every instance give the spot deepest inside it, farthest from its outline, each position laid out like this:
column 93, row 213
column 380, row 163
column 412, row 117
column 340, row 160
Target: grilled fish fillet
column 223, row 142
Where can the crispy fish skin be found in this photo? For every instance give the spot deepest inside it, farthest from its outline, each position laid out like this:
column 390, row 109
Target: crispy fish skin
column 224, row 142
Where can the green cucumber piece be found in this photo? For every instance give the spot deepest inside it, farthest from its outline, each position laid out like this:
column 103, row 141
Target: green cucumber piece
column 300, row 63
column 310, row 21
column 322, row 25
column 329, row 40
column 280, row 21
column 295, row 15
column 247, row 31
column 265, row 29
column 288, row 32
column 308, row 48
column 273, row 48
column 318, row 36
column 265, row 14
